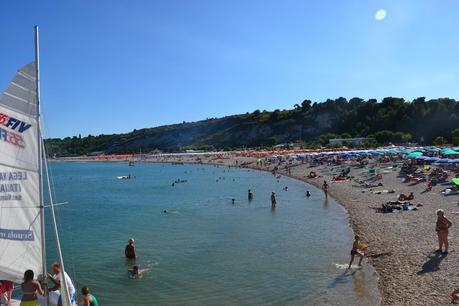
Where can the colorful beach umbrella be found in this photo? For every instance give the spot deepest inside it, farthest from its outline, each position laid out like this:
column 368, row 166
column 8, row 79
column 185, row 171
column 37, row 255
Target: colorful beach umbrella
column 414, row 155
column 449, row 152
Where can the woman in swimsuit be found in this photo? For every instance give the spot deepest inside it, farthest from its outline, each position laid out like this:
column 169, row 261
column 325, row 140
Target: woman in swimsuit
column 30, row 287
column 442, row 228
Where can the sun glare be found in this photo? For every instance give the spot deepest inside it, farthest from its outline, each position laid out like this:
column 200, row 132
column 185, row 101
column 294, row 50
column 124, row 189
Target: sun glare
column 380, row 15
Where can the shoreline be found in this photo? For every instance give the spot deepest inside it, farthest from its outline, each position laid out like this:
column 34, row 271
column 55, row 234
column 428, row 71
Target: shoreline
column 401, row 243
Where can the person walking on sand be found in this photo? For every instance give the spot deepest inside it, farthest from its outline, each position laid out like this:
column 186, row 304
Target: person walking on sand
column 325, row 188
column 442, row 229
column 129, row 251
column 354, row 251
column 273, row 199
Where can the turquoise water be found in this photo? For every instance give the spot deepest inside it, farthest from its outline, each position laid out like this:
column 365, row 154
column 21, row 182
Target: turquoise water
column 205, row 251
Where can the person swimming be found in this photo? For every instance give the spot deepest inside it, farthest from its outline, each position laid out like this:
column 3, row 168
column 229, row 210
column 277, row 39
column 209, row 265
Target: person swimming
column 134, row 272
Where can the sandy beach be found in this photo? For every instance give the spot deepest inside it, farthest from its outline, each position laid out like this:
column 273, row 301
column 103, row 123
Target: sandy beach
column 402, row 243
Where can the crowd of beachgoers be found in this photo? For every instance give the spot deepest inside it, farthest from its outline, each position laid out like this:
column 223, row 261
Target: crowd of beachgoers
column 402, row 202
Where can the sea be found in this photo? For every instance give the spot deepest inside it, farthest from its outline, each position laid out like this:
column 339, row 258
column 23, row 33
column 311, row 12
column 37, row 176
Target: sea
column 195, row 246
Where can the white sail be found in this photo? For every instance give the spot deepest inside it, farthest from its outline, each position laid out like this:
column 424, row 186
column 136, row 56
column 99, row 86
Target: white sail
column 20, row 221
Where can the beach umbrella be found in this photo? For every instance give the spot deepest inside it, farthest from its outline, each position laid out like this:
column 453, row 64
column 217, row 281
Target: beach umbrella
column 414, row 155
column 443, row 161
column 449, row 152
column 431, row 159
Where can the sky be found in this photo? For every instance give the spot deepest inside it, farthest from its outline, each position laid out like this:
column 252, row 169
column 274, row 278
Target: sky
column 111, row 66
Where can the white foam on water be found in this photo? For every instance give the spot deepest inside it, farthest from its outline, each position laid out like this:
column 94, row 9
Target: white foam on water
column 346, row 266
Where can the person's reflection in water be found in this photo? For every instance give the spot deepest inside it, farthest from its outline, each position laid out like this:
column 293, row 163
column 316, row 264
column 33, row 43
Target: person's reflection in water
column 325, row 203
column 358, row 278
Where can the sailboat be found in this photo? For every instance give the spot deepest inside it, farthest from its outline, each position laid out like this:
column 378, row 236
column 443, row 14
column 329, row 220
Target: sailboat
column 23, row 171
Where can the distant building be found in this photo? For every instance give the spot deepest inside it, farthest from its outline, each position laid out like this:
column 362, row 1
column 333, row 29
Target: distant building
column 353, row 141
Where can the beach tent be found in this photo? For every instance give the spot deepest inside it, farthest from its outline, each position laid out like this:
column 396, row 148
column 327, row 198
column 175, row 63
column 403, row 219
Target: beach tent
column 455, row 181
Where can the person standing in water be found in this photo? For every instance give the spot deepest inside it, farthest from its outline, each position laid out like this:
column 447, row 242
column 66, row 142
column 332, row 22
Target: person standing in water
column 273, row 199
column 355, row 247
column 250, row 195
column 325, row 188
column 442, row 229
column 88, row 298
column 308, row 194
column 129, row 251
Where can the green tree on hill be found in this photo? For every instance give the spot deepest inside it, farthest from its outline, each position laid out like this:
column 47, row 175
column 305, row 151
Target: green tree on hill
column 439, row 141
column 455, row 137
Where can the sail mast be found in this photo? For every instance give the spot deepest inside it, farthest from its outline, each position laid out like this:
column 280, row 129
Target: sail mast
column 40, row 159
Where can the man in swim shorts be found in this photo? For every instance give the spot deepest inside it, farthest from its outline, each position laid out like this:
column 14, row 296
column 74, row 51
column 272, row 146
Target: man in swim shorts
column 354, row 251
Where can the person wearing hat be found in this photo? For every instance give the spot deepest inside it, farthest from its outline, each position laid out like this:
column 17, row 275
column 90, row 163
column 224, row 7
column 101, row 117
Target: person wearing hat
column 129, row 251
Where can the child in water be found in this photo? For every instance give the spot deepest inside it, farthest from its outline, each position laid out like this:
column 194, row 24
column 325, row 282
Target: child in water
column 354, row 251
column 134, row 272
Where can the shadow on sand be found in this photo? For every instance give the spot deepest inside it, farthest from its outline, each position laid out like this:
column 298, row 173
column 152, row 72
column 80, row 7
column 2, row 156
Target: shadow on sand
column 433, row 264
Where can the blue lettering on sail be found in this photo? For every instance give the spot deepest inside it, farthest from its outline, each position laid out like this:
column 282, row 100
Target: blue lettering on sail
column 18, row 235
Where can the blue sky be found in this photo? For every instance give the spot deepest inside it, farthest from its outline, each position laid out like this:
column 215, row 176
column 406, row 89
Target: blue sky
column 114, row 66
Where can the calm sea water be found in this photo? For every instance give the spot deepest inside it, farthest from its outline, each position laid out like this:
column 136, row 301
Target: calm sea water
column 205, row 251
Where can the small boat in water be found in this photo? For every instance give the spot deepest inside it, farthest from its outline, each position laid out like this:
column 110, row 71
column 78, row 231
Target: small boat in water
column 124, row 177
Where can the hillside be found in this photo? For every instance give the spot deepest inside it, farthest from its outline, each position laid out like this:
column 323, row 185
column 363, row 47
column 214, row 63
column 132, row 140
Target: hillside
column 390, row 120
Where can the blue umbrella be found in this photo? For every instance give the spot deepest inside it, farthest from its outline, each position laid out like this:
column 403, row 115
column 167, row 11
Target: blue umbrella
column 443, row 161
